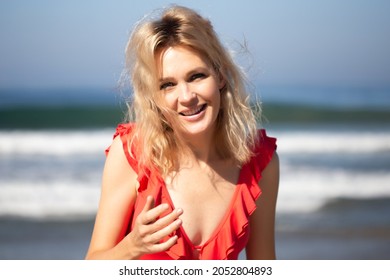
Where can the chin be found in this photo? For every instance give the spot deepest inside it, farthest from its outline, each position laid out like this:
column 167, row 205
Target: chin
column 198, row 129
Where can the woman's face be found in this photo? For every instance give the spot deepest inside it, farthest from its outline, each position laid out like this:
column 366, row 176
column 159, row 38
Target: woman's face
column 190, row 88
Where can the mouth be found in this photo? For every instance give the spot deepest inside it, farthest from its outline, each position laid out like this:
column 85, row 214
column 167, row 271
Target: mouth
column 193, row 111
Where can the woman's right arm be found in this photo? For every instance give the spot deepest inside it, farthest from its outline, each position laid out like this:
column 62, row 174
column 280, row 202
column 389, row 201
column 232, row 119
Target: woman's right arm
column 117, row 200
column 118, row 196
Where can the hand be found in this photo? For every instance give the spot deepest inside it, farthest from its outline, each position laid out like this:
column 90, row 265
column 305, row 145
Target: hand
column 149, row 230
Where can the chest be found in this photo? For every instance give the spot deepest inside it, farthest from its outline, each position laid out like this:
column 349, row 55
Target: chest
column 206, row 199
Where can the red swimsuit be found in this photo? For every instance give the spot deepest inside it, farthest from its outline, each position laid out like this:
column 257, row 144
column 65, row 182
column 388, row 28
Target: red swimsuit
column 231, row 235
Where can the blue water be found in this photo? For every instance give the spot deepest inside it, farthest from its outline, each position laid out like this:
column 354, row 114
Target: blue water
column 60, row 97
column 334, row 97
column 330, row 97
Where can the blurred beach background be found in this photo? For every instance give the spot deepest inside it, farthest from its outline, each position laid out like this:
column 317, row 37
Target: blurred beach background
column 321, row 70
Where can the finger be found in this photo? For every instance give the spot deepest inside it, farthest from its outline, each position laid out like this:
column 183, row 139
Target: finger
column 166, row 220
column 149, row 204
column 160, row 223
column 163, row 246
column 162, row 233
column 150, row 216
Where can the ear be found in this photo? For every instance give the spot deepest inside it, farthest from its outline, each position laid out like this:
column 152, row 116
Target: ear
column 222, row 82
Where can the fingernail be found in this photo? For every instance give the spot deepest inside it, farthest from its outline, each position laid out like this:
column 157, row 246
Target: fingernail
column 179, row 211
column 165, row 206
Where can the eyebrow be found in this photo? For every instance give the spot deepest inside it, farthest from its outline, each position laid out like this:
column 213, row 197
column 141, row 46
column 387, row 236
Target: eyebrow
column 191, row 72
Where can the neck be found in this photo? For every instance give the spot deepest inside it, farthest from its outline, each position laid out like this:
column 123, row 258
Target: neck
column 202, row 148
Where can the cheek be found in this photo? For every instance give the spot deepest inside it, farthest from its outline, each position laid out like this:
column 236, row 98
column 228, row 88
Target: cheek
column 209, row 90
column 169, row 101
column 212, row 93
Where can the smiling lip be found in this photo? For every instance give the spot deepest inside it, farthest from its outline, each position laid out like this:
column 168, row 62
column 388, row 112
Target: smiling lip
column 194, row 111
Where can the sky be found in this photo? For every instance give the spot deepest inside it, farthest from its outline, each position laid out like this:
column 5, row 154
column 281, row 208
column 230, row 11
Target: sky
column 71, row 43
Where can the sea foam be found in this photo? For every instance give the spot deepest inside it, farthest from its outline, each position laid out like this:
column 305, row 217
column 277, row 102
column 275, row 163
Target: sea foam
column 57, row 174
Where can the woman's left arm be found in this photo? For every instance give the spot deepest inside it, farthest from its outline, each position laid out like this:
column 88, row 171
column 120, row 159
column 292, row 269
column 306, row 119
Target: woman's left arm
column 261, row 244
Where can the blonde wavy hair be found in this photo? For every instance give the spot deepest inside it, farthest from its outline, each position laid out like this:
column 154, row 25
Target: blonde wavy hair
column 154, row 134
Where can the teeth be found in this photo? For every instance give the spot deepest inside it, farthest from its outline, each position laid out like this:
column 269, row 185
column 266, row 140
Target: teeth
column 193, row 111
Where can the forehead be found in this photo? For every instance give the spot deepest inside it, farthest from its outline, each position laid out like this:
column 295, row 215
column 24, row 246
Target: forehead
column 178, row 59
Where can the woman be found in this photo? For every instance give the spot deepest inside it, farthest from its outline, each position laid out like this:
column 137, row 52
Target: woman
column 192, row 178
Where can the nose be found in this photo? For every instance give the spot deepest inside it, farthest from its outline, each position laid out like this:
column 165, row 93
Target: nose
column 186, row 95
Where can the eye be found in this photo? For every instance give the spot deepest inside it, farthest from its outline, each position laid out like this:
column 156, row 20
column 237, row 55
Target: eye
column 197, row 76
column 166, row 85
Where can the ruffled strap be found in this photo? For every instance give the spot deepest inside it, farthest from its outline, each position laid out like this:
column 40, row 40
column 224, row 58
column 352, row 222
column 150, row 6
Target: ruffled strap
column 132, row 155
column 234, row 235
column 124, row 131
column 263, row 153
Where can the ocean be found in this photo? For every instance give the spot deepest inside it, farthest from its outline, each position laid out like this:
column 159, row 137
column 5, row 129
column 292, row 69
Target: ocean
column 333, row 145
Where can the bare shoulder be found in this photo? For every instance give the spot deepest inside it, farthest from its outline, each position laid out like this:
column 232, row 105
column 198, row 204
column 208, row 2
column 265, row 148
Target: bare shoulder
column 269, row 184
column 261, row 244
column 117, row 170
column 119, row 181
column 270, row 174
column 118, row 195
